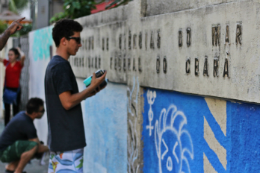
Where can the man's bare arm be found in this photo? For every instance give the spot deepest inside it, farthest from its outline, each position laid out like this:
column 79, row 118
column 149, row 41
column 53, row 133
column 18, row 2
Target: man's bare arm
column 15, row 26
column 3, row 38
column 41, row 148
column 22, row 56
column 69, row 100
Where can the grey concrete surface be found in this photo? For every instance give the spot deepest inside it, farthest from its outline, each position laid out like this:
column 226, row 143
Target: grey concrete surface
column 33, row 167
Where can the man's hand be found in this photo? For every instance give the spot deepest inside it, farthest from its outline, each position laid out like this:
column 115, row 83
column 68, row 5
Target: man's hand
column 15, row 26
column 95, row 82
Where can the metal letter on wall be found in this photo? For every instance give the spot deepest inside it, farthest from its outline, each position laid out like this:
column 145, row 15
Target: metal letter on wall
column 180, row 38
column 216, row 35
column 227, row 34
column 92, row 42
column 196, row 66
column 215, row 67
column 158, row 64
column 99, row 62
column 111, row 63
column 129, row 40
column 96, row 63
column 158, row 39
column 205, row 69
column 139, row 64
column 115, row 66
column 165, row 65
column 129, row 64
column 140, row 40
column 124, row 42
column 124, row 64
column 82, row 62
column 103, row 44
column 134, row 68
column 119, row 62
column 152, row 41
column 107, row 43
column 239, row 34
column 79, row 63
column 120, row 41
column 225, row 73
column 83, row 43
column 188, row 37
column 134, row 38
column 146, row 40
column 188, row 66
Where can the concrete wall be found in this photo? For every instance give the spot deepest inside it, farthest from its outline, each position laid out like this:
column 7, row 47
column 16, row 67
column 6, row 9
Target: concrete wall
column 39, row 56
column 142, row 45
column 184, row 80
column 203, row 48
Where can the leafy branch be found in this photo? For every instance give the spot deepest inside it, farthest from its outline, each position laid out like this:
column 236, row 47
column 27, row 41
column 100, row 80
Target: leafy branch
column 75, row 9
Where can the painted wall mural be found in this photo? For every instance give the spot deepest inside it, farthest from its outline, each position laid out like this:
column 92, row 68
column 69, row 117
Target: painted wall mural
column 185, row 134
column 105, row 118
column 42, row 40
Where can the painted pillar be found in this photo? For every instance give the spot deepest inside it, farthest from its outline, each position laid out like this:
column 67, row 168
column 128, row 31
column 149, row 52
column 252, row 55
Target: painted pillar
column 105, row 117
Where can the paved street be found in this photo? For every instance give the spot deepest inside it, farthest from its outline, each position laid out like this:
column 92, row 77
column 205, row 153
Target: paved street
column 33, row 167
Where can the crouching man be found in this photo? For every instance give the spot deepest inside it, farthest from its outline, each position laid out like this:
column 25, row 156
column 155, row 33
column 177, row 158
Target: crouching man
column 19, row 142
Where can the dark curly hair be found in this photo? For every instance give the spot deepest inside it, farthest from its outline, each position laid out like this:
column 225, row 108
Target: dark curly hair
column 65, row 28
column 34, row 105
column 16, row 52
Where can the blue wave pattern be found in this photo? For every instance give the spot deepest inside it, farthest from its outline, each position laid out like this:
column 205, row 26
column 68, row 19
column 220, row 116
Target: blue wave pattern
column 241, row 142
column 66, row 162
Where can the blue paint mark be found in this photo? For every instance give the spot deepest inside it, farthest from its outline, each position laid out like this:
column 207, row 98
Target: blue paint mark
column 242, row 140
column 106, row 130
column 42, row 40
column 245, row 135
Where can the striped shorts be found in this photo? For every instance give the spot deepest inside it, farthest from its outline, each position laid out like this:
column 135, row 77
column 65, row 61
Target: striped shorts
column 66, row 162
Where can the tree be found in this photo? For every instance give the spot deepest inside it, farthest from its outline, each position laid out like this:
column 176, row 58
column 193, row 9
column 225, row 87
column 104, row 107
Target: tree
column 17, row 5
column 75, row 9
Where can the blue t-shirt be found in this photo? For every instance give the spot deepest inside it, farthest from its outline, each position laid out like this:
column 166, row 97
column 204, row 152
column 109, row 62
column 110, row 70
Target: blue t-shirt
column 66, row 128
column 21, row 127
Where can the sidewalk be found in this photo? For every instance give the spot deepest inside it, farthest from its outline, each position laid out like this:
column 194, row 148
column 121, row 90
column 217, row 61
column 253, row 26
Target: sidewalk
column 33, row 167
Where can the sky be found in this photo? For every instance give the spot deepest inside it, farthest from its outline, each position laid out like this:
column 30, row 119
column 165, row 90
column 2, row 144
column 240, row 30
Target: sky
column 26, row 12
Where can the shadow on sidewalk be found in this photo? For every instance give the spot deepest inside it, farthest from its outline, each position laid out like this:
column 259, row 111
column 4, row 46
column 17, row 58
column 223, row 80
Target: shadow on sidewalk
column 34, row 166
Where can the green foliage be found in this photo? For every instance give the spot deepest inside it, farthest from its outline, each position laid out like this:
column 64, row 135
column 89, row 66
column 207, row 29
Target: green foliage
column 3, row 26
column 75, row 9
column 25, row 30
column 17, row 5
column 117, row 3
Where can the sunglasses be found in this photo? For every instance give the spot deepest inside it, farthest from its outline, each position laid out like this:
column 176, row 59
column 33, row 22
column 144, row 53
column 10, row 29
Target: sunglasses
column 77, row 39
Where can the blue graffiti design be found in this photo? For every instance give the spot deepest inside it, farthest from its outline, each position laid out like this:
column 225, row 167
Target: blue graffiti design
column 169, row 137
column 42, row 40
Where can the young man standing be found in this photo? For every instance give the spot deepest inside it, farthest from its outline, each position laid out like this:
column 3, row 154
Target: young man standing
column 19, row 142
column 66, row 129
